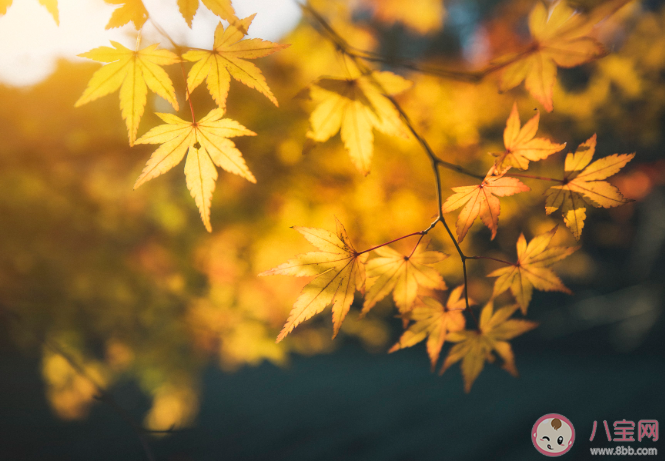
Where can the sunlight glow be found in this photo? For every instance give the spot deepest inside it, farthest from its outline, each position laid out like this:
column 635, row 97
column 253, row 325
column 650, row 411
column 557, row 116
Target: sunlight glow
column 31, row 42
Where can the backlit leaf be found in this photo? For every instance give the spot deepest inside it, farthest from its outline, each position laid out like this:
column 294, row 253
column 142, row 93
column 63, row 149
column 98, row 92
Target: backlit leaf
column 583, row 184
column 133, row 72
column 338, row 270
column 482, row 201
column 532, row 269
column 434, row 322
column 402, row 275
column 207, row 145
column 4, row 4
column 560, row 39
column 227, row 59
column 50, row 5
column 355, row 107
column 131, row 10
column 521, row 144
column 474, row 347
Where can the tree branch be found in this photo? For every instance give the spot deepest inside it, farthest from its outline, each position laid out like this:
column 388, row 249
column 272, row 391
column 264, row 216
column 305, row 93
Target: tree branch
column 345, row 48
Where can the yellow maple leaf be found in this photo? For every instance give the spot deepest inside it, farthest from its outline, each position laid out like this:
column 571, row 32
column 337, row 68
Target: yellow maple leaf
column 477, row 346
column 532, row 269
column 521, row 144
column 402, row 275
column 50, row 5
column 131, row 10
column 133, row 72
column 354, row 107
column 584, row 185
column 560, row 39
column 221, row 8
column 207, row 144
column 434, row 321
column 4, row 4
column 339, row 271
column 229, row 58
column 482, row 200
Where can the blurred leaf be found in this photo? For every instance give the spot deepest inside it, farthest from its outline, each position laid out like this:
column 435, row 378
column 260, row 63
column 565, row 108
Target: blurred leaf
column 356, row 106
column 131, row 10
column 559, row 40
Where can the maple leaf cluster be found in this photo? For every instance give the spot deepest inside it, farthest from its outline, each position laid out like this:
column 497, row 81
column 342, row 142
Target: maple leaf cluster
column 355, row 106
column 205, row 141
column 339, row 271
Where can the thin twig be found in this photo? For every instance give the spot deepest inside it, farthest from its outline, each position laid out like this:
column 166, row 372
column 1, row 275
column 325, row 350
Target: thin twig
column 542, row 178
column 178, row 49
column 493, row 259
column 388, row 243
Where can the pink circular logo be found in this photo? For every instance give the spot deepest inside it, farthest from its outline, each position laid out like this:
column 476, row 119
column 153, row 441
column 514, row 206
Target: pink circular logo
column 553, row 435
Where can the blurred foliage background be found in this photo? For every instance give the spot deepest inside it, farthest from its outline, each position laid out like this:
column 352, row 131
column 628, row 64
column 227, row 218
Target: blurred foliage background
column 131, row 285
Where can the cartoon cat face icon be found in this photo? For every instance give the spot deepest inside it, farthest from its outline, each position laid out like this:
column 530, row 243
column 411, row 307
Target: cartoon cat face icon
column 553, row 435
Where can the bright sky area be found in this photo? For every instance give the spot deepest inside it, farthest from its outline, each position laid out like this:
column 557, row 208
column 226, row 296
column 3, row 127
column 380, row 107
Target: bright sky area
column 31, row 42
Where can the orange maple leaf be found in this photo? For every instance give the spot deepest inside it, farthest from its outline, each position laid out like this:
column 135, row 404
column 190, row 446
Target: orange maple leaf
column 433, row 321
column 482, row 201
column 583, row 185
column 521, row 146
column 559, row 39
column 339, row 271
column 532, row 269
column 476, row 346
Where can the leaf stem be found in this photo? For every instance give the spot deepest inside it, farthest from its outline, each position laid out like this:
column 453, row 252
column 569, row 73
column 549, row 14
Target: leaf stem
column 493, row 259
column 189, row 99
column 421, row 233
column 542, row 178
column 416, row 246
column 178, row 49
